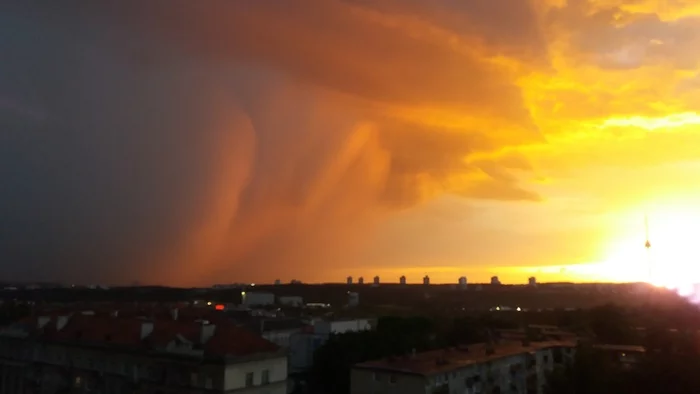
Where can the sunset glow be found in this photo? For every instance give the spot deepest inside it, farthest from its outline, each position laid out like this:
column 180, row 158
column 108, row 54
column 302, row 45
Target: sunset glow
column 449, row 139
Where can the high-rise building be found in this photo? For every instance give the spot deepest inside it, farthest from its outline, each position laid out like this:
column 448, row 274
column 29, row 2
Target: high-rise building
column 402, row 280
column 495, row 280
column 278, row 282
column 463, row 282
column 349, row 280
column 532, row 281
column 426, row 280
column 376, row 280
column 360, row 281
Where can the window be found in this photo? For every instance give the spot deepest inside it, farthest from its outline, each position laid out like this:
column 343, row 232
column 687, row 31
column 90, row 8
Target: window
column 265, row 379
column 249, row 379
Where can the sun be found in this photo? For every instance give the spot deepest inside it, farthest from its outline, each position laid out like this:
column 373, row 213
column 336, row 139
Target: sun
column 673, row 260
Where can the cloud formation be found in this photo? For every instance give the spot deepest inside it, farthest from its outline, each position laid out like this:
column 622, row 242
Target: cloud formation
column 176, row 142
column 182, row 142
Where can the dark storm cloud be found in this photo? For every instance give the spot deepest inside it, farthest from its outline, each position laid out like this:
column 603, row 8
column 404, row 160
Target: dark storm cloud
column 192, row 143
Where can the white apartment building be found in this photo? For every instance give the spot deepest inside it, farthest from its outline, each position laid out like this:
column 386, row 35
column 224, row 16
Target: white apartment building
column 249, row 298
column 111, row 355
column 293, row 301
column 514, row 368
column 304, row 344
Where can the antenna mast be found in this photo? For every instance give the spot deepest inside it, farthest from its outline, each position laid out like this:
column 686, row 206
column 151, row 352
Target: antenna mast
column 647, row 245
column 646, row 229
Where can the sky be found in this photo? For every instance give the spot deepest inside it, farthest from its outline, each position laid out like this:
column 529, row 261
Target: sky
column 188, row 143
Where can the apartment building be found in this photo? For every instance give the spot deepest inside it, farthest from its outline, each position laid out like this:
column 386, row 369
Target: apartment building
column 513, row 367
column 113, row 355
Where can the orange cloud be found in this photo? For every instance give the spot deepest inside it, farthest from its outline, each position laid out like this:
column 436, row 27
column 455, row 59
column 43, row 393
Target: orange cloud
column 275, row 139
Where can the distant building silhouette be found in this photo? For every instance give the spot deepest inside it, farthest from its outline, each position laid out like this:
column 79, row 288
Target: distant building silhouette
column 495, row 280
column 532, row 281
column 360, row 281
column 426, row 280
column 376, row 280
column 463, row 282
column 349, row 280
column 402, row 280
column 278, row 282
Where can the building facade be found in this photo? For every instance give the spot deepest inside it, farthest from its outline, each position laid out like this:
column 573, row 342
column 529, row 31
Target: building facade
column 514, row 367
column 111, row 355
column 517, row 368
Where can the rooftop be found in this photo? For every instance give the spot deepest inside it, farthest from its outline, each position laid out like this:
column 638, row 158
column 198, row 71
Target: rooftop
column 139, row 334
column 621, row 348
column 447, row 360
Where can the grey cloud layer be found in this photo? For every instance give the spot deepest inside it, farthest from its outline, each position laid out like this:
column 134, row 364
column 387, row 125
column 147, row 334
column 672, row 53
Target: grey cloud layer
column 126, row 127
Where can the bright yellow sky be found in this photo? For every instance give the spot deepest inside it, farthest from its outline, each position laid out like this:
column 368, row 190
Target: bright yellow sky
column 514, row 138
column 614, row 105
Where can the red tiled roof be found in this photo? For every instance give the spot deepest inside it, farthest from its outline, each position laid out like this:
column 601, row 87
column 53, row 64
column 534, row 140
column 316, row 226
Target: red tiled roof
column 166, row 331
column 231, row 340
column 227, row 339
column 426, row 364
column 97, row 330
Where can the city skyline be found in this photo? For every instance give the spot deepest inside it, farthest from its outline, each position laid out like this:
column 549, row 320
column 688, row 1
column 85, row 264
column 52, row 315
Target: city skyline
column 182, row 144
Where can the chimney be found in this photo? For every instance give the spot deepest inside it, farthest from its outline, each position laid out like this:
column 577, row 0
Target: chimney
column 146, row 329
column 61, row 322
column 207, row 331
column 174, row 313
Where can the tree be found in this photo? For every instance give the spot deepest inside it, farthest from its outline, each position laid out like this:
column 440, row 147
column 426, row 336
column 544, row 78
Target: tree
column 393, row 337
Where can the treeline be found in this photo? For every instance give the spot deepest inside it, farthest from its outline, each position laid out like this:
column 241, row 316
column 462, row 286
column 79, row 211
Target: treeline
column 670, row 350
